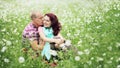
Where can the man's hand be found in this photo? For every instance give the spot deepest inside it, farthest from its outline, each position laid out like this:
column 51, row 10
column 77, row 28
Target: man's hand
column 40, row 47
column 34, row 44
column 58, row 41
column 41, row 44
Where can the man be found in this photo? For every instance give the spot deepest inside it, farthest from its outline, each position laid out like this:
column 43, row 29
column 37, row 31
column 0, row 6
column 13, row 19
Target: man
column 31, row 32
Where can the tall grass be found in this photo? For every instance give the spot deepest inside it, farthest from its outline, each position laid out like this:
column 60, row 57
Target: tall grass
column 91, row 25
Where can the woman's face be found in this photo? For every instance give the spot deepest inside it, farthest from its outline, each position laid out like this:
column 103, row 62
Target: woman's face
column 46, row 21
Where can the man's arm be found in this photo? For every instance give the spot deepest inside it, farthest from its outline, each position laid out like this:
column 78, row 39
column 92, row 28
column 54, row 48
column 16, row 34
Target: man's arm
column 35, row 46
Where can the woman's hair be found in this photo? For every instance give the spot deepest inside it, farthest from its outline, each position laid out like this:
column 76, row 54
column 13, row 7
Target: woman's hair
column 55, row 24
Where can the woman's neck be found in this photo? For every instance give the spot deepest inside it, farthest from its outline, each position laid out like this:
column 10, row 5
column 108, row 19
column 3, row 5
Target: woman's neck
column 47, row 27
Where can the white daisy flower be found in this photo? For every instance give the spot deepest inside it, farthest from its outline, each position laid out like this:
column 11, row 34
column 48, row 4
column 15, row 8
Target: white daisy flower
column 14, row 22
column 98, row 27
column 117, row 44
column 99, row 59
column 92, row 58
column 15, row 30
column 118, row 66
column 109, row 48
column 3, row 30
column 80, row 53
column 104, row 54
column 111, row 58
column 4, row 49
column 4, row 40
column 87, row 51
column 21, row 59
column 6, row 60
column 118, row 59
column 8, row 43
column 77, row 58
column 89, row 62
column 68, row 43
column 68, row 34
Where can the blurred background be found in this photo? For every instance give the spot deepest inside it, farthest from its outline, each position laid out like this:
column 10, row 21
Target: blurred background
column 91, row 25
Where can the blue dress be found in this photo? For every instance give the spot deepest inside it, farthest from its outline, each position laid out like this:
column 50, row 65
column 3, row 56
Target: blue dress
column 46, row 50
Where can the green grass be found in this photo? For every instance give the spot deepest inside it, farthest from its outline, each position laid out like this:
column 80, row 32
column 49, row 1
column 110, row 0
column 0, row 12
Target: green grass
column 91, row 25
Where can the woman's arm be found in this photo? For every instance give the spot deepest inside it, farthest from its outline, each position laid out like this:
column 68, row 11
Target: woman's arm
column 42, row 36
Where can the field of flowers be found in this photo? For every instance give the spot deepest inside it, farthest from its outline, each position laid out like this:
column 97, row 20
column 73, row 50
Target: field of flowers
column 92, row 26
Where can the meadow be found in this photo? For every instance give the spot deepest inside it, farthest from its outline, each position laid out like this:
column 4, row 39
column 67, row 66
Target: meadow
column 92, row 26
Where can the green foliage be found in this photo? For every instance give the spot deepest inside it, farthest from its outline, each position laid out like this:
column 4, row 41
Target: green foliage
column 91, row 25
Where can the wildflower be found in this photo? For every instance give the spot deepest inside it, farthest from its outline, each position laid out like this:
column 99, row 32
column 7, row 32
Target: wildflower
column 118, row 59
column 118, row 66
column 99, row 59
column 6, row 60
column 116, row 15
column 96, row 44
column 15, row 30
column 117, row 44
column 3, row 49
column 14, row 22
column 89, row 62
column 68, row 34
column 109, row 48
column 80, row 53
column 92, row 58
column 3, row 30
column 87, row 51
column 68, row 43
column 98, row 27
column 77, row 58
column 21, row 59
column 4, row 40
column 8, row 42
column 104, row 54
column 111, row 58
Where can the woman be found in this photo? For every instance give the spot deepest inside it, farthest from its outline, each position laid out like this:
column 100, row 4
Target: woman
column 51, row 29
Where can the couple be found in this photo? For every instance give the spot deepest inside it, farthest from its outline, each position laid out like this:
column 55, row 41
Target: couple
column 41, row 32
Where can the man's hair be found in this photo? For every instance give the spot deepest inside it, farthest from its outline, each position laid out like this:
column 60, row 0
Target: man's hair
column 34, row 14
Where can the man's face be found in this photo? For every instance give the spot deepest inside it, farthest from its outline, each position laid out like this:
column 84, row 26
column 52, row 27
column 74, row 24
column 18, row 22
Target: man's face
column 38, row 20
